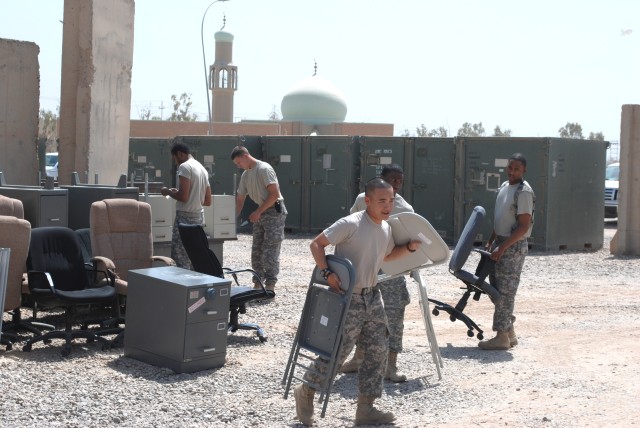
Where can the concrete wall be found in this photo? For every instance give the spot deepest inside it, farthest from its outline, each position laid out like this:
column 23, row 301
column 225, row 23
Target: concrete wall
column 627, row 238
column 19, row 106
column 97, row 58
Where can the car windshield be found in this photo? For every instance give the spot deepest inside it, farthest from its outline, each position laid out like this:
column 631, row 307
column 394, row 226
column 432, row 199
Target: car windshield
column 51, row 160
column 613, row 172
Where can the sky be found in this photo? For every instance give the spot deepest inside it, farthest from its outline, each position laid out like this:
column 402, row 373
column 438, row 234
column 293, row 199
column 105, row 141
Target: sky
column 529, row 67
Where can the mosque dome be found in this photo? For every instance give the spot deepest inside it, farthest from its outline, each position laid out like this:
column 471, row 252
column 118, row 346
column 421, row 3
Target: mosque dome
column 314, row 100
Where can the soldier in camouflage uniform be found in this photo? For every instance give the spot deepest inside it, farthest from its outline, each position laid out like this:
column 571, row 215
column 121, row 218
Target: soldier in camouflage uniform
column 513, row 221
column 260, row 183
column 193, row 192
column 365, row 239
column 394, row 291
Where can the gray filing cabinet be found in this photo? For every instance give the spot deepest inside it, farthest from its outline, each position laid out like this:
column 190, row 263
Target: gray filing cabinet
column 82, row 196
column 177, row 318
column 42, row 207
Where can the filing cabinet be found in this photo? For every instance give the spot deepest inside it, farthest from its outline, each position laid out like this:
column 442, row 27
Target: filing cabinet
column 220, row 217
column 177, row 318
column 42, row 207
column 82, row 196
column 163, row 213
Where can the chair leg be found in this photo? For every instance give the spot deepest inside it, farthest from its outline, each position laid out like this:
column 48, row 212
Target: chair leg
column 17, row 324
column 235, row 325
column 68, row 334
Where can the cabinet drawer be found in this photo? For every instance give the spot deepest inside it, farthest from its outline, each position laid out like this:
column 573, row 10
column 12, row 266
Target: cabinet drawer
column 223, row 209
column 224, row 231
column 205, row 339
column 163, row 210
column 53, row 210
column 162, row 233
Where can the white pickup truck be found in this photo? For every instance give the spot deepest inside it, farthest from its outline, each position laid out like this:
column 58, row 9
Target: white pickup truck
column 611, row 183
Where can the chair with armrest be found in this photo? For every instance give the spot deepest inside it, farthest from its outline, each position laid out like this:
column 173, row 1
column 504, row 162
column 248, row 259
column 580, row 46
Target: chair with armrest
column 58, row 276
column 476, row 283
column 205, row 261
column 15, row 233
column 121, row 239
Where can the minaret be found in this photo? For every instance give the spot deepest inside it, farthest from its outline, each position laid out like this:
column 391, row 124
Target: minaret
column 223, row 77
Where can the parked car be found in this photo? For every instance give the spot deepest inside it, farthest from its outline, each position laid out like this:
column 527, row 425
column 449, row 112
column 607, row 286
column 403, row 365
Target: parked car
column 51, row 164
column 611, row 184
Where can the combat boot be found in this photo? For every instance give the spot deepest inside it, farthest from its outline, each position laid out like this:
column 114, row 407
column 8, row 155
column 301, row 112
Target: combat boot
column 513, row 339
column 304, row 403
column 353, row 365
column 498, row 343
column 392, row 370
column 366, row 414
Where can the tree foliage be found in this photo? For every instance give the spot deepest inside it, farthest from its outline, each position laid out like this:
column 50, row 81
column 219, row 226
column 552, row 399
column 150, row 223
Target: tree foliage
column 497, row 132
column 598, row 136
column 181, row 106
column 48, row 125
column 571, row 130
column 274, row 115
column 471, row 130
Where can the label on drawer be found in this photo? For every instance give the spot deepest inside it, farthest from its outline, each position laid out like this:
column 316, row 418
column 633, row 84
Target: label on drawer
column 196, row 305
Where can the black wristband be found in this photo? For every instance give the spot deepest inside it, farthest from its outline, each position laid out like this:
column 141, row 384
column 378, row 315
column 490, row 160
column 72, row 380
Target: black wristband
column 410, row 250
column 325, row 273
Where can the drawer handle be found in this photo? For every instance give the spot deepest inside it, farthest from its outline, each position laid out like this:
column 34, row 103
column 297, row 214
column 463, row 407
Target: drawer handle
column 161, row 221
column 224, row 233
column 161, row 236
column 224, row 218
column 54, row 219
column 212, row 312
column 208, row 349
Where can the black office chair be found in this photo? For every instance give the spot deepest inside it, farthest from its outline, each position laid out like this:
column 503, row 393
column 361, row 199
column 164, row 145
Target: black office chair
column 205, row 261
column 475, row 283
column 58, row 276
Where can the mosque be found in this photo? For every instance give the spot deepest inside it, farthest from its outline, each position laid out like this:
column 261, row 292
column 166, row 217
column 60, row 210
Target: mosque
column 312, row 106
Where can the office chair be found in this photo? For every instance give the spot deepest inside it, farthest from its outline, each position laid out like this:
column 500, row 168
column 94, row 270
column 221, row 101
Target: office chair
column 15, row 233
column 58, row 277
column 475, row 283
column 205, row 261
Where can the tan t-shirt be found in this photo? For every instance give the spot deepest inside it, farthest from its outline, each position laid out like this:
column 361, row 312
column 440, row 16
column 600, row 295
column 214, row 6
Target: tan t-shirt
column 505, row 216
column 199, row 178
column 254, row 182
column 362, row 241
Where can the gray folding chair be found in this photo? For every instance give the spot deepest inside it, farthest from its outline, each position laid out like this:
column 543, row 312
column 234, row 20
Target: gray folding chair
column 320, row 329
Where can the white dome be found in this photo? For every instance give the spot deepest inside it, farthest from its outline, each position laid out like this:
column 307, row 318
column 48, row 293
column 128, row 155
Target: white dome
column 314, row 101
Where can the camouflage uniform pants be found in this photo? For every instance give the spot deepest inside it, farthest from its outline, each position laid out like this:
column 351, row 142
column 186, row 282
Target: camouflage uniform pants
column 178, row 253
column 366, row 323
column 268, row 234
column 395, row 297
column 506, row 279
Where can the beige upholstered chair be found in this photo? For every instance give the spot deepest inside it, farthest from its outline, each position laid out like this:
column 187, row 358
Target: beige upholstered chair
column 15, row 233
column 121, row 238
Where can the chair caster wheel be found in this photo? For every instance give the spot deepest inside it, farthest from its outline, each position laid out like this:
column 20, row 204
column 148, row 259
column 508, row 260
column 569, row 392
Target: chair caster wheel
column 263, row 339
column 26, row 348
column 452, row 318
column 46, row 341
column 66, row 351
column 435, row 312
column 9, row 347
column 480, row 336
column 470, row 333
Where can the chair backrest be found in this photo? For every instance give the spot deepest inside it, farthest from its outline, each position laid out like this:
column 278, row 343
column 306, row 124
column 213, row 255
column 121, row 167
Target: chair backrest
column 195, row 242
column 84, row 235
column 56, row 250
column 15, row 234
column 11, row 206
column 120, row 230
column 467, row 239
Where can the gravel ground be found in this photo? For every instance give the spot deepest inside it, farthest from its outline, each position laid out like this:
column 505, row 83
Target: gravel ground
column 577, row 364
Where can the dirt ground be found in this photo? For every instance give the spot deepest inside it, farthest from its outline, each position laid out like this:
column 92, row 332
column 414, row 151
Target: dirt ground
column 578, row 360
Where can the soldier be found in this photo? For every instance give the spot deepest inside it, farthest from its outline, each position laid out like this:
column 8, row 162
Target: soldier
column 394, row 291
column 260, row 182
column 193, row 192
column 513, row 221
column 365, row 239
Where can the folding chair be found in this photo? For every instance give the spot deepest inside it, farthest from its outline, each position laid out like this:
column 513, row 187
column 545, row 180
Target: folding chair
column 432, row 251
column 475, row 283
column 320, row 329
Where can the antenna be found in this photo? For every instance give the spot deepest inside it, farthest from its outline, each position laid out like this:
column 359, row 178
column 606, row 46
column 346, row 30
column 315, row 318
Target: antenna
column 315, row 67
column 224, row 21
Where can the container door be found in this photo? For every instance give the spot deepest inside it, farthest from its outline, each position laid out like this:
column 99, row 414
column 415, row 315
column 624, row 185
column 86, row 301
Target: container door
column 376, row 153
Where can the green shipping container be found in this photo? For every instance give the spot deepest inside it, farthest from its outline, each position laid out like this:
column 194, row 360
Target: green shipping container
column 567, row 176
column 151, row 156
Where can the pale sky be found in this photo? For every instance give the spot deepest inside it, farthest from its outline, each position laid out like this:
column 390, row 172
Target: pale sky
column 526, row 66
